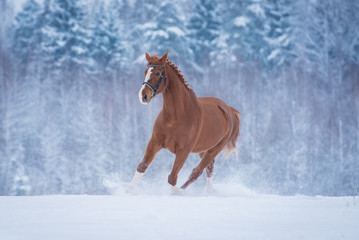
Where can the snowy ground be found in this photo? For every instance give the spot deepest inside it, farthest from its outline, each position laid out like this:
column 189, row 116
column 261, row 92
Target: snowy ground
column 240, row 215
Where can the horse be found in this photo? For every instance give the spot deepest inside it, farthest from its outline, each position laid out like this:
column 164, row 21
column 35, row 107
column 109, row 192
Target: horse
column 186, row 124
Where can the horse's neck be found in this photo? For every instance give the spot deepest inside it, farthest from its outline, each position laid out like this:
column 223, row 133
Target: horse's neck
column 177, row 99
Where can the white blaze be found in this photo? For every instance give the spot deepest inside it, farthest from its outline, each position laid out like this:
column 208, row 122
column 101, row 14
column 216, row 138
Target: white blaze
column 148, row 75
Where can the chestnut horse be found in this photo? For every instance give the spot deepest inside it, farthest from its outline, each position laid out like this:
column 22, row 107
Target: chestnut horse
column 186, row 123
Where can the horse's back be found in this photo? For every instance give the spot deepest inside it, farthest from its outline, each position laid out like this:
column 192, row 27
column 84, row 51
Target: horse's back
column 209, row 103
column 220, row 109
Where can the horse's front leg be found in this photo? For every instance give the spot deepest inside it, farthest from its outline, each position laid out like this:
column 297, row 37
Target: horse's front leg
column 180, row 159
column 152, row 149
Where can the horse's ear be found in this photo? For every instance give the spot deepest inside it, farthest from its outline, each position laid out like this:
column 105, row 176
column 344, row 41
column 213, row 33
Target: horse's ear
column 164, row 58
column 148, row 57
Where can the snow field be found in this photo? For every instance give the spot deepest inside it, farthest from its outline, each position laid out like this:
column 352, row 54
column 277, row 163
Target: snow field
column 155, row 216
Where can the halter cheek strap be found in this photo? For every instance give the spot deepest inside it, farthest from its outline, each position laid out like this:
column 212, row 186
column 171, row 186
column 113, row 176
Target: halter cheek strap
column 155, row 88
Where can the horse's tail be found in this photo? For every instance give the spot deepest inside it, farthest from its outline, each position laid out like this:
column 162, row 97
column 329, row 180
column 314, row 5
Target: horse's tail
column 231, row 144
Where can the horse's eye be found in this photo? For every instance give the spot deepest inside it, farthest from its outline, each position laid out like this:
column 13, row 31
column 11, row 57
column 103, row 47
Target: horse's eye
column 157, row 74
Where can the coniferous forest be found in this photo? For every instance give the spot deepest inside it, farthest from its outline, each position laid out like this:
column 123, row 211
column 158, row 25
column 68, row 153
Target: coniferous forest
column 70, row 72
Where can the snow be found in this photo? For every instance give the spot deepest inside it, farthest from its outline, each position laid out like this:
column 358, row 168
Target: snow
column 158, row 33
column 273, row 54
column 78, row 50
column 257, row 9
column 241, row 21
column 148, row 25
column 282, row 40
column 239, row 215
column 176, row 30
column 61, row 43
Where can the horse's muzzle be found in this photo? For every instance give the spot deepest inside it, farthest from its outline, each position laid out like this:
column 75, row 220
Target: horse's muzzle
column 145, row 98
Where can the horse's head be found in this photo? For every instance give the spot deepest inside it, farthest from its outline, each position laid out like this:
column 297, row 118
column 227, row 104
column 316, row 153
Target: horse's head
column 155, row 78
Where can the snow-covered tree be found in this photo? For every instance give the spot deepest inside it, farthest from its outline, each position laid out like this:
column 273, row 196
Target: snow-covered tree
column 165, row 32
column 65, row 36
column 203, row 30
column 27, row 35
column 246, row 31
column 107, row 47
column 279, row 33
column 20, row 182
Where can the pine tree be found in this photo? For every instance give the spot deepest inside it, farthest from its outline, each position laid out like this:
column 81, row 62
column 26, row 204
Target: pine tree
column 20, row 182
column 65, row 37
column 107, row 47
column 203, row 30
column 6, row 77
column 245, row 26
column 64, row 58
column 279, row 33
column 27, row 35
column 166, row 32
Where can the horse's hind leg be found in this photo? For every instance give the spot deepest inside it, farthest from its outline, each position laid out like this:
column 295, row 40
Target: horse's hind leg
column 207, row 161
column 209, row 171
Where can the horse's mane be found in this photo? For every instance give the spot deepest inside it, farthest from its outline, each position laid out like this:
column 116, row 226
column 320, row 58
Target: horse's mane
column 179, row 74
column 176, row 70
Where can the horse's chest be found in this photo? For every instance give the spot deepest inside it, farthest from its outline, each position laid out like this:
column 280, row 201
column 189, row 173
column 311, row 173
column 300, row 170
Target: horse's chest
column 176, row 137
column 179, row 134
column 171, row 139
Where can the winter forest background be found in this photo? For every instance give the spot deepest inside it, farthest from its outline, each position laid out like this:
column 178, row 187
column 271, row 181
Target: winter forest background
column 70, row 72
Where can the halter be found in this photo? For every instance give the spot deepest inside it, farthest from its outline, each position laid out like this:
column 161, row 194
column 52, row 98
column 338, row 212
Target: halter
column 155, row 88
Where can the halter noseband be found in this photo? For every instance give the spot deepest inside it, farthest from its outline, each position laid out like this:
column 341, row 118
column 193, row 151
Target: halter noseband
column 155, row 88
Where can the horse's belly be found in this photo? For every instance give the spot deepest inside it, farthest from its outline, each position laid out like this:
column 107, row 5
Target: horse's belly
column 209, row 138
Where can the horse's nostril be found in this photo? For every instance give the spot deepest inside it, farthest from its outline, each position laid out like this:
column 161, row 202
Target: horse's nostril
column 145, row 97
